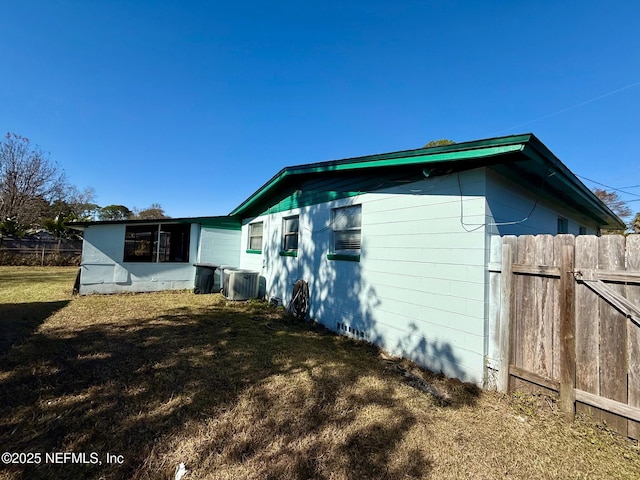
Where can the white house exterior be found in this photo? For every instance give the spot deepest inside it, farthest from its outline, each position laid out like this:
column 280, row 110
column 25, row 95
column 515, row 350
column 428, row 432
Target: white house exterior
column 395, row 247
column 401, row 259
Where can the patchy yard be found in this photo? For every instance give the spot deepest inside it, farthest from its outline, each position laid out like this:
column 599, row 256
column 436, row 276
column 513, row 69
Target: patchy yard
column 236, row 390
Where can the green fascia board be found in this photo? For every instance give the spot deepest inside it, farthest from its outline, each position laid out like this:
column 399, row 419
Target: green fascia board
column 479, row 150
column 443, row 157
column 222, row 222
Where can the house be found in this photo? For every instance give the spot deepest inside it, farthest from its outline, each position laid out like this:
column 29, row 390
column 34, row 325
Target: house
column 394, row 247
column 152, row 255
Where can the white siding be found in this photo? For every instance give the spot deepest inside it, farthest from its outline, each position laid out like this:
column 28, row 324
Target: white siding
column 511, row 210
column 219, row 247
column 419, row 288
column 422, row 286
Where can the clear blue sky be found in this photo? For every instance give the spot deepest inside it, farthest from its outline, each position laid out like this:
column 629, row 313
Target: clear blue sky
column 195, row 105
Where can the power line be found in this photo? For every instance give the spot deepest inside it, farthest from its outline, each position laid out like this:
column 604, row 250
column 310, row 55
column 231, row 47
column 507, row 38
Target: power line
column 610, row 187
column 577, row 105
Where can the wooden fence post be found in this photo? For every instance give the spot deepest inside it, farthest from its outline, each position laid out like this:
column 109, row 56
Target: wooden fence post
column 567, row 333
column 506, row 277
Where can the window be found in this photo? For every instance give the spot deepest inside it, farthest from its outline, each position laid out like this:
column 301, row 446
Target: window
column 157, row 243
column 290, row 230
column 174, row 243
column 582, row 230
column 563, row 225
column 255, row 238
column 139, row 243
column 346, row 222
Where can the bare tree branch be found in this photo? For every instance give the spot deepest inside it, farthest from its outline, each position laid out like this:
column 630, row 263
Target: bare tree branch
column 29, row 182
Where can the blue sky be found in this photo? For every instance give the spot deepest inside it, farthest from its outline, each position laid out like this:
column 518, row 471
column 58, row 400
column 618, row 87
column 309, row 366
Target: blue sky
column 195, row 105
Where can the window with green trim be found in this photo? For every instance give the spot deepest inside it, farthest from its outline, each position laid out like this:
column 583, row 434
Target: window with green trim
column 346, row 223
column 255, row 236
column 290, row 232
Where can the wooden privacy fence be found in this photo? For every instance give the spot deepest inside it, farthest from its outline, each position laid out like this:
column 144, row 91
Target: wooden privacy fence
column 569, row 323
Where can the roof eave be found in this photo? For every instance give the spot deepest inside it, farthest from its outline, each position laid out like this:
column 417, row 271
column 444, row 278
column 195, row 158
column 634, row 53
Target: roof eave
column 224, row 222
column 442, row 154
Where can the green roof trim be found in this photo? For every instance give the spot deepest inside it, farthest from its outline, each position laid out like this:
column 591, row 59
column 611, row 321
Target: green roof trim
column 522, row 157
column 412, row 160
column 481, row 149
column 221, row 222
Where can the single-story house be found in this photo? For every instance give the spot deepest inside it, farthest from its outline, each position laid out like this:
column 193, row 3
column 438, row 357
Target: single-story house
column 394, row 247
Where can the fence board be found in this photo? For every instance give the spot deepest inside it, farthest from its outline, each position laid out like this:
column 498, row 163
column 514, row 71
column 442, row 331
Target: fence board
column 565, row 347
column 506, row 306
column 633, row 334
column 587, row 325
column 613, row 334
column 525, row 313
column 544, row 320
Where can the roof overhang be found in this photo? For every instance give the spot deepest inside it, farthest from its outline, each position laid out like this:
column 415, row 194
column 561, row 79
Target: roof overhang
column 522, row 158
column 221, row 222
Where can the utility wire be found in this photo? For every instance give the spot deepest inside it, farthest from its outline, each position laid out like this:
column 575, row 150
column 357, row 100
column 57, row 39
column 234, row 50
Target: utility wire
column 610, row 187
column 578, row 105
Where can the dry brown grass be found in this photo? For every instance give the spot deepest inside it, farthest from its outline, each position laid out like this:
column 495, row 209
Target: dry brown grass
column 235, row 390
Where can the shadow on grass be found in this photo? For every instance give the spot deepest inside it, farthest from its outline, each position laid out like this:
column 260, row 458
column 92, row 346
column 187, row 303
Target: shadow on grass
column 272, row 403
column 19, row 320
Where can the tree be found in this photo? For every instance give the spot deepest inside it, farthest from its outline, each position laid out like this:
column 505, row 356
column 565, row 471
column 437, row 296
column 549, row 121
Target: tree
column 80, row 204
column 613, row 201
column 76, row 206
column 635, row 223
column 152, row 212
column 615, row 204
column 114, row 212
column 439, row 143
column 58, row 227
column 29, row 183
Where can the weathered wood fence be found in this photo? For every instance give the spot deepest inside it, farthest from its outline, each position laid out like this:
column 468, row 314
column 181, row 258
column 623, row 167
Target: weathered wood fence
column 568, row 323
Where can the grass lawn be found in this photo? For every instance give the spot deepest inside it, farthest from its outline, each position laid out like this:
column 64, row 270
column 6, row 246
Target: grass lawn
column 237, row 390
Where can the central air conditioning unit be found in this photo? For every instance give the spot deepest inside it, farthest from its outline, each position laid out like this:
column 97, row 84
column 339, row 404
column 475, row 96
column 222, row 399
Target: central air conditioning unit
column 240, row 284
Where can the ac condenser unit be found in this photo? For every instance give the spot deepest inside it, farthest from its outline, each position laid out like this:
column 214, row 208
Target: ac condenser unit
column 240, row 284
